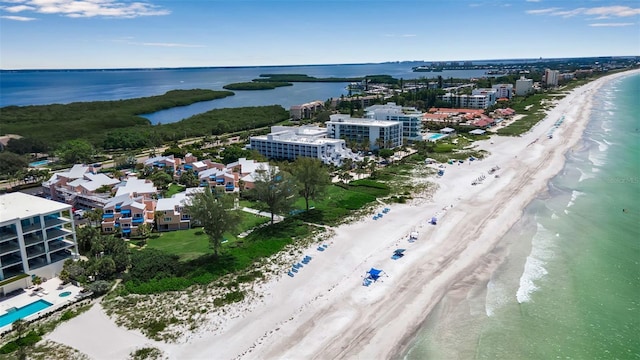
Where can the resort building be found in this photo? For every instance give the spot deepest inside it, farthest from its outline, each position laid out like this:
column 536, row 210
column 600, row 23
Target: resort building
column 125, row 213
column 375, row 133
column 306, row 111
column 410, row 118
column 479, row 99
column 218, row 177
column 36, row 236
column 168, row 163
column 171, row 214
column 288, row 143
column 524, row 86
column 80, row 187
column 133, row 205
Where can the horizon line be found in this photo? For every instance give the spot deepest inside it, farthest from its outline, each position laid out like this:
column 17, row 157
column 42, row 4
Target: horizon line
column 297, row 65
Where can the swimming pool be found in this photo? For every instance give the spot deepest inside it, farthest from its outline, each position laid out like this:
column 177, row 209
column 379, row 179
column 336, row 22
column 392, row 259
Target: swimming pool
column 38, row 163
column 65, row 294
column 14, row 314
column 435, row 137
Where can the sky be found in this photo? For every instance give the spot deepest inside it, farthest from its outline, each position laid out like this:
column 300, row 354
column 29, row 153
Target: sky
column 89, row 34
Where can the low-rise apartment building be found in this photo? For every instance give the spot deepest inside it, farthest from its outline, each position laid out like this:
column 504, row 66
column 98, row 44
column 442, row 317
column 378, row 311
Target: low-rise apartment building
column 171, row 214
column 306, row 111
column 80, row 187
column 288, row 143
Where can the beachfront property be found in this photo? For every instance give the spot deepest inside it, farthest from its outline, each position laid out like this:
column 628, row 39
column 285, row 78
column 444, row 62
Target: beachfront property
column 125, row 213
column 81, row 187
column 524, row 86
column 410, row 118
column 479, row 99
column 452, row 115
column 376, row 133
column 306, row 111
column 171, row 211
column 132, row 206
column 36, row 236
column 288, row 143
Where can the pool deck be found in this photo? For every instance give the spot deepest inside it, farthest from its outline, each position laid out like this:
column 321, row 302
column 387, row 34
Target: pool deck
column 50, row 292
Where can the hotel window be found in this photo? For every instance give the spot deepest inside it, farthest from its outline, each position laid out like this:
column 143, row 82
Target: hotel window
column 167, row 219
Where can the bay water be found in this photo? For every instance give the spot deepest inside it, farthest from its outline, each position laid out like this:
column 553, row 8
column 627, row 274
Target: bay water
column 569, row 283
column 41, row 87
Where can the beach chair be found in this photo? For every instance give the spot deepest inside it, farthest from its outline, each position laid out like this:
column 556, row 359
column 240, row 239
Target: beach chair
column 290, row 274
column 320, row 248
column 294, row 269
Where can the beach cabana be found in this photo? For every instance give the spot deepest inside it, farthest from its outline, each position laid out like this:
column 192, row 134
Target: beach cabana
column 374, row 274
column 434, row 220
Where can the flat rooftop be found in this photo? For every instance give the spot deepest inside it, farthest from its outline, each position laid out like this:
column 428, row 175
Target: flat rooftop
column 18, row 205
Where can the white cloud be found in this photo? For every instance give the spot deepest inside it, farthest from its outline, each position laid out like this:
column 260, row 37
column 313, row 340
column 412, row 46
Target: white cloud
column 170, row 45
column 17, row 18
column 542, row 11
column 611, row 24
column 88, row 8
column 17, row 8
column 603, row 12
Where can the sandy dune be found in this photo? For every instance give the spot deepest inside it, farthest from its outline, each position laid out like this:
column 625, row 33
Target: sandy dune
column 324, row 312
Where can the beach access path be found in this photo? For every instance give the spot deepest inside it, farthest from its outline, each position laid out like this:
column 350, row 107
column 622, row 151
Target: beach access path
column 324, row 312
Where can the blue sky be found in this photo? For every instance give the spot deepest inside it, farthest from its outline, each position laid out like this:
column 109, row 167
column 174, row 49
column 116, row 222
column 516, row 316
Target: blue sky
column 61, row 34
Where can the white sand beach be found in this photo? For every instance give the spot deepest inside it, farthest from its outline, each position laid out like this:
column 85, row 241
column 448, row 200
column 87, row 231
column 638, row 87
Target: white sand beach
column 324, row 311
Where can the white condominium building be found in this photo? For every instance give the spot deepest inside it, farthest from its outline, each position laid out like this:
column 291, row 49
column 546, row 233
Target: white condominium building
column 377, row 133
column 410, row 118
column 36, row 236
column 524, row 86
column 288, row 143
column 479, row 99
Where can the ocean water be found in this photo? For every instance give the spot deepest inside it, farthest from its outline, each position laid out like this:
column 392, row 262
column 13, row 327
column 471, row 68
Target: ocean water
column 49, row 87
column 569, row 283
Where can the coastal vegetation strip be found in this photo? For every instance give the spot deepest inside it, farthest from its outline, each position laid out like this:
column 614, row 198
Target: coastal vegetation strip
column 117, row 124
column 257, row 85
column 387, row 79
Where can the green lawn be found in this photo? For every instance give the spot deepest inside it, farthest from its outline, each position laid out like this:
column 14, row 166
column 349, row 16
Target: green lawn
column 193, row 243
column 173, row 189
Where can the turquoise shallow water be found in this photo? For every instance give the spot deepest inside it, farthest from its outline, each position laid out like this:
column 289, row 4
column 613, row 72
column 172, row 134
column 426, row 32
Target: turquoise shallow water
column 569, row 284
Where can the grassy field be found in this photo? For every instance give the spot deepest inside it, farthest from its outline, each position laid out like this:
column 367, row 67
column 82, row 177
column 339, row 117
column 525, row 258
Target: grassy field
column 193, row 243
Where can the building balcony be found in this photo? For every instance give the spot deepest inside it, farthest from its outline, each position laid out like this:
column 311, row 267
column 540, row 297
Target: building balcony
column 55, row 221
column 57, row 232
column 37, row 262
column 9, row 247
column 60, row 255
column 7, row 235
column 12, row 271
column 35, row 250
column 56, row 245
column 30, row 228
column 11, row 259
column 33, row 238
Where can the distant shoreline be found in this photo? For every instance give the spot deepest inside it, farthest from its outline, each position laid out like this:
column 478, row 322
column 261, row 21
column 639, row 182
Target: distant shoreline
column 301, row 65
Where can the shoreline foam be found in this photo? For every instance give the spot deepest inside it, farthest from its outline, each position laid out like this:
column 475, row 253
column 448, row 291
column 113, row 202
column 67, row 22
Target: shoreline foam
column 325, row 312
